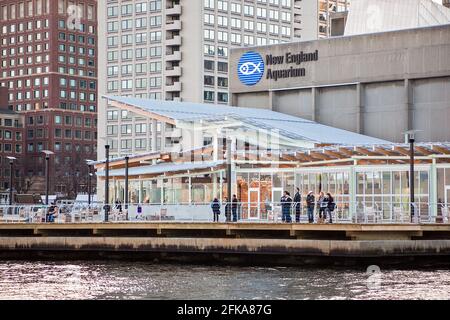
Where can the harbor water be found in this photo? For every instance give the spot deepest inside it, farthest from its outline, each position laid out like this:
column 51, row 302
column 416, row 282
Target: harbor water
column 138, row 280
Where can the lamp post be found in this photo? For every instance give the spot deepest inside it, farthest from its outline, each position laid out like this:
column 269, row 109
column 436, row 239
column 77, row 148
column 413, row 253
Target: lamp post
column 107, row 183
column 89, row 186
column 47, row 173
column 127, row 159
column 410, row 138
column 11, row 165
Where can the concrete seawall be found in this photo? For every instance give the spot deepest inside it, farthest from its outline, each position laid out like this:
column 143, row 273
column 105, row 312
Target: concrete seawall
column 292, row 245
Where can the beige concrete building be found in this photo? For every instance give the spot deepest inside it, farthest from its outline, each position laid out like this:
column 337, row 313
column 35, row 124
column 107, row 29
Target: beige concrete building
column 377, row 84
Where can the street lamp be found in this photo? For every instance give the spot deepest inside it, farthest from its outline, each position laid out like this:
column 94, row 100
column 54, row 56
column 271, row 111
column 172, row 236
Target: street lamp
column 410, row 138
column 127, row 159
column 47, row 173
column 90, row 174
column 11, row 164
column 107, row 184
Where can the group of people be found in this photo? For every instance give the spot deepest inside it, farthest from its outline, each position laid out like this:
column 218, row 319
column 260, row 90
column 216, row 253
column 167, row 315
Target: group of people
column 231, row 209
column 325, row 206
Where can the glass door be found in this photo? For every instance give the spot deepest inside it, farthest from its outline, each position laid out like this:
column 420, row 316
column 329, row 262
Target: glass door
column 253, row 203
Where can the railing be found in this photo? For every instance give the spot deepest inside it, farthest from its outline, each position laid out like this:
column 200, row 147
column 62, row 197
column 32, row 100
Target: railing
column 267, row 212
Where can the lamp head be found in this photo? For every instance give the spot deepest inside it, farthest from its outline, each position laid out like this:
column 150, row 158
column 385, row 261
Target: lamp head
column 410, row 134
column 48, row 152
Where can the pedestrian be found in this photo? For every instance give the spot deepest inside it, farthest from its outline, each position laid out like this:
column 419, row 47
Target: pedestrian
column 331, row 205
column 286, row 203
column 322, row 205
column 215, row 205
column 310, row 203
column 234, row 208
column 227, row 210
column 52, row 211
column 298, row 205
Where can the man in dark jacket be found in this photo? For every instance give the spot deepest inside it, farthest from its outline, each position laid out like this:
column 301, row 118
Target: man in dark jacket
column 298, row 205
column 310, row 202
column 234, row 208
column 286, row 203
column 215, row 206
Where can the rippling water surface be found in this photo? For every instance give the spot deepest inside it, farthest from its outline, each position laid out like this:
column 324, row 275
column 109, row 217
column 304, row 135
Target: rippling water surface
column 132, row 280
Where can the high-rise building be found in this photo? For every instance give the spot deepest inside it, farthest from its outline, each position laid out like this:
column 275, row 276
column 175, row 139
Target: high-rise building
column 49, row 64
column 178, row 50
column 320, row 17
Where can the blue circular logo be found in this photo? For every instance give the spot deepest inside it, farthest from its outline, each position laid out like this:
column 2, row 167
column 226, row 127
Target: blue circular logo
column 250, row 68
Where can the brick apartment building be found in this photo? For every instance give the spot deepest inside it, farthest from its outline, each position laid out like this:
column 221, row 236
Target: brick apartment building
column 48, row 63
column 11, row 144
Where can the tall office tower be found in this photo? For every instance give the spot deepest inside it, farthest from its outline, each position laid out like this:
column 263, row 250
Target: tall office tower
column 49, row 64
column 178, row 50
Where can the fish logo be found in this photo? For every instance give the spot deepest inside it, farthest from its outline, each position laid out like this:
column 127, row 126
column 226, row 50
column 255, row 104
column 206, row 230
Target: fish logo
column 250, row 68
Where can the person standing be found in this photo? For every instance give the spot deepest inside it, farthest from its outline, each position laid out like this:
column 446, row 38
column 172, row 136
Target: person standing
column 286, row 203
column 227, row 210
column 234, row 208
column 310, row 202
column 215, row 205
column 298, row 205
column 330, row 207
column 322, row 205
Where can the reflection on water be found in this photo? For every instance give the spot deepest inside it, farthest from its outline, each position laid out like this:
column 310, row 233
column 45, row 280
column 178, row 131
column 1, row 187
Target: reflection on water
column 131, row 280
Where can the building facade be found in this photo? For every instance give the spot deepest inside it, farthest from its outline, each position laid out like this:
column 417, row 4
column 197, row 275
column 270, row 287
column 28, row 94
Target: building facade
column 49, row 64
column 11, row 145
column 269, row 153
column 378, row 84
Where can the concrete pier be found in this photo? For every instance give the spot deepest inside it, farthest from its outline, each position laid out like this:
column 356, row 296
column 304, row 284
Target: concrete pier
column 285, row 244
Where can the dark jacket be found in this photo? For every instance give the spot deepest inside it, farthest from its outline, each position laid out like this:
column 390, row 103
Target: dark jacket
column 215, row 205
column 227, row 209
column 310, row 200
column 286, row 202
column 331, row 204
column 235, row 204
column 297, row 200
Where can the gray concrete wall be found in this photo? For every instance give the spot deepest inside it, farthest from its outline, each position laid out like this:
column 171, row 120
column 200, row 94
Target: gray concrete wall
column 375, row 84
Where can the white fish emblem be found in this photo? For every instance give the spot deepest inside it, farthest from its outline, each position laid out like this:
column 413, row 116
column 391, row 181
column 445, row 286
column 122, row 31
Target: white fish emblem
column 250, row 68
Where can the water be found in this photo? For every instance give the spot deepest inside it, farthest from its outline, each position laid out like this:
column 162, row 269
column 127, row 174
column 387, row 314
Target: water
column 132, row 280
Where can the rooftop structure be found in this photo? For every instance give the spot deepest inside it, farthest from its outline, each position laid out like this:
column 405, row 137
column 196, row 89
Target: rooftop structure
column 368, row 16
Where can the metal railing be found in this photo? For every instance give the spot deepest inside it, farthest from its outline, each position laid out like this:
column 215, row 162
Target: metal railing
column 267, row 212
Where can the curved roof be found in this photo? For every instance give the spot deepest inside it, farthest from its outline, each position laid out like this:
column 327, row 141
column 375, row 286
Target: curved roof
column 289, row 126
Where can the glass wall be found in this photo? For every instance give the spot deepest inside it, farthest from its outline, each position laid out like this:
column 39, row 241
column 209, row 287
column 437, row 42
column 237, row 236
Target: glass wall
column 387, row 191
column 443, row 186
column 337, row 183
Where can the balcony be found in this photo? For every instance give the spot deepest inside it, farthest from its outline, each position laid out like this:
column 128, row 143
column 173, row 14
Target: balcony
column 175, row 11
column 173, row 72
column 297, row 25
column 176, row 86
column 175, row 41
column 174, row 25
column 176, row 56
